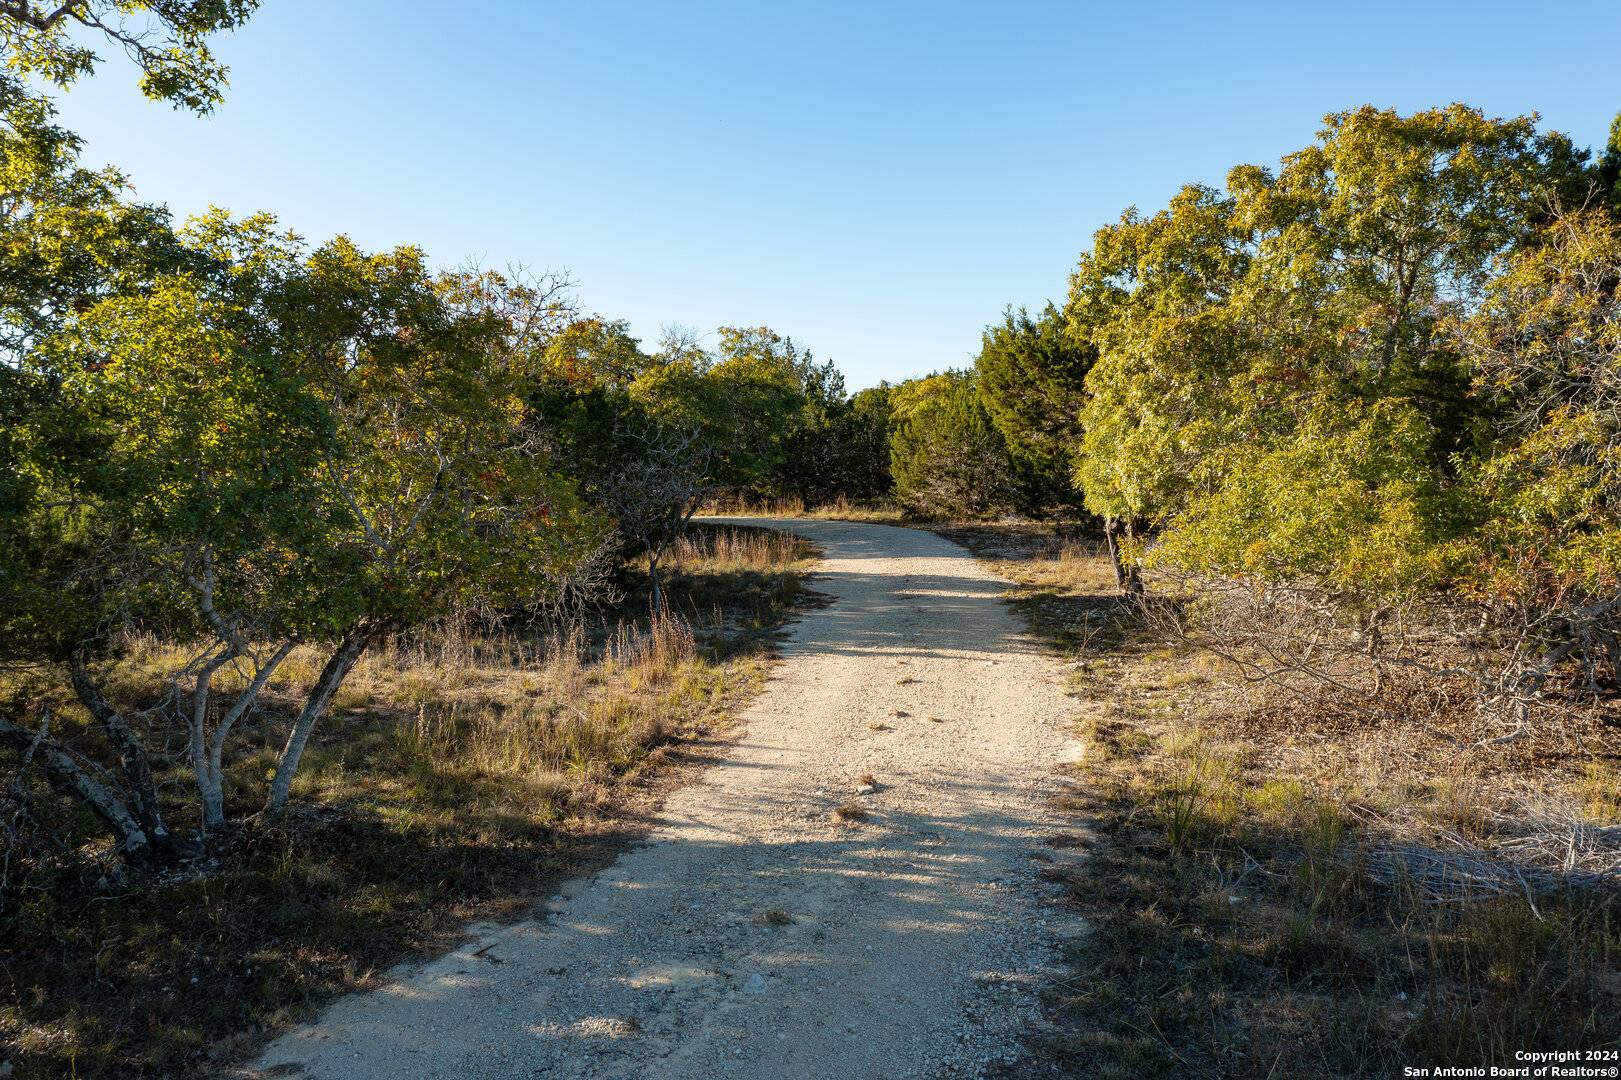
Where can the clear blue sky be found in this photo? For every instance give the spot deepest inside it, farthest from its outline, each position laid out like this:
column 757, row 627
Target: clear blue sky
column 876, row 179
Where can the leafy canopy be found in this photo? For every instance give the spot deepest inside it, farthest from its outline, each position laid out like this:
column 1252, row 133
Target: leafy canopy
column 166, row 39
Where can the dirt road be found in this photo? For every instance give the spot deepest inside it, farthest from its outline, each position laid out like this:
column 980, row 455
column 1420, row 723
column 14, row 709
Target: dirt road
column 754, row 935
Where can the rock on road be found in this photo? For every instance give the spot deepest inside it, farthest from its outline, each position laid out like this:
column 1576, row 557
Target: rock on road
column 913, row 940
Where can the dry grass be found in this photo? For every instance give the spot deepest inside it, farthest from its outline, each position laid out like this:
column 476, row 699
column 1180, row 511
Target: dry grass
column 459, row 773
column 840, row 509
column 730, row 550
column 1276, row 890
column 850, row 813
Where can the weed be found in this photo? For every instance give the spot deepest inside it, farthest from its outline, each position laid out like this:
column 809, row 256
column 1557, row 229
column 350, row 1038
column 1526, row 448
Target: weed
column 850, row 813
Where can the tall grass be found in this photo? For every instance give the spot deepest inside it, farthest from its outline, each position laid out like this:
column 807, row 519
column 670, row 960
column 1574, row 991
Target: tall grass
column 724, row 551
column 841, row 508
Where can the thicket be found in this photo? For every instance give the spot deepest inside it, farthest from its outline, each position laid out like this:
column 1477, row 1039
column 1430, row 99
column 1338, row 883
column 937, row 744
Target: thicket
column 1361, row 411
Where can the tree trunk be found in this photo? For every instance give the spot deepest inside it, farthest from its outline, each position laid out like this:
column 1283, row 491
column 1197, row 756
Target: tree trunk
column 1109, row 526
column 336, row 670
column 1126, row 575
column 141, row 791
column 1134, row 573
column 209, row 788
column 134, row 845
column 653, row 576
column 211, row 771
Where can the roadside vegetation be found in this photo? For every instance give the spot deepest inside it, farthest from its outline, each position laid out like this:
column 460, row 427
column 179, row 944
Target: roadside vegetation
column 464, row 769
column 1348, row 637
column 1275, row 883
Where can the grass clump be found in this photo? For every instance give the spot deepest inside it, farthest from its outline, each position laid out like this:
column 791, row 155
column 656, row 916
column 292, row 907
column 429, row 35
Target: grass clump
column 850, row 813
column 841, row 508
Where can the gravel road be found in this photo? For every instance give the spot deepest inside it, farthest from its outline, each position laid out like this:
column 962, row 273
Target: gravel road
column 755, row 936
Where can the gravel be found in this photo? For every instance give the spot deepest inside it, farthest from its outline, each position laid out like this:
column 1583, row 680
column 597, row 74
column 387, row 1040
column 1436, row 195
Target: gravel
column 915, row 938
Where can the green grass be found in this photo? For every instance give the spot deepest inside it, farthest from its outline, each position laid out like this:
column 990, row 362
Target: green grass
column 459, row 775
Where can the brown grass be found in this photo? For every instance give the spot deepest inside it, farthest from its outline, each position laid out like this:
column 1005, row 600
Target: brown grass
column 850, row 813
column 1276, row 890
column 839, row 509
column 459, row 774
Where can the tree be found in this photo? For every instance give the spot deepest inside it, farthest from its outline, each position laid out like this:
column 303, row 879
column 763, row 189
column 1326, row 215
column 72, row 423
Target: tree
column 1031, row 376
column 1608, row 170
column 1302, row 305
column 743, row 402
column 71, row 243
column 176, row 64
column 1150, row 299
column 646, row 473
column 654, row 491
column 863, row 439
column 948, row 459
column 1365, row 395
column 595, row 352
column 1544, row 553
column 306, row 447
column 445, row 499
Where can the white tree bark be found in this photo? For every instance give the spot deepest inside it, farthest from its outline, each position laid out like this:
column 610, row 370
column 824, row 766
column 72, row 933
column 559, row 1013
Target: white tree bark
column 337, row 668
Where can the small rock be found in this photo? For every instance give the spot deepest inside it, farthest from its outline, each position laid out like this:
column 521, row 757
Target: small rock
column 754, row 984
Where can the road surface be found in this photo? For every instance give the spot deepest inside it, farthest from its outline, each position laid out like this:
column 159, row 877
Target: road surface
column 754, row 935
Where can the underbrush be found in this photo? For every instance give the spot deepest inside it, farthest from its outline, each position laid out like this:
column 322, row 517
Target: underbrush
column 460, row 772
column 1275, row 888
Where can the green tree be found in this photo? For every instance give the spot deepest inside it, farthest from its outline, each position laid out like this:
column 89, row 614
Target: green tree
column 1151, row 299
column 1608, row 170
column 947, row 458
column 1031, row 376
column 1545, row 537
column 647, row 471
column 301, row 447
column 167, row 39
column 595, row 352
column 863, row 433
column 744, row 401
column 1236, row 324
